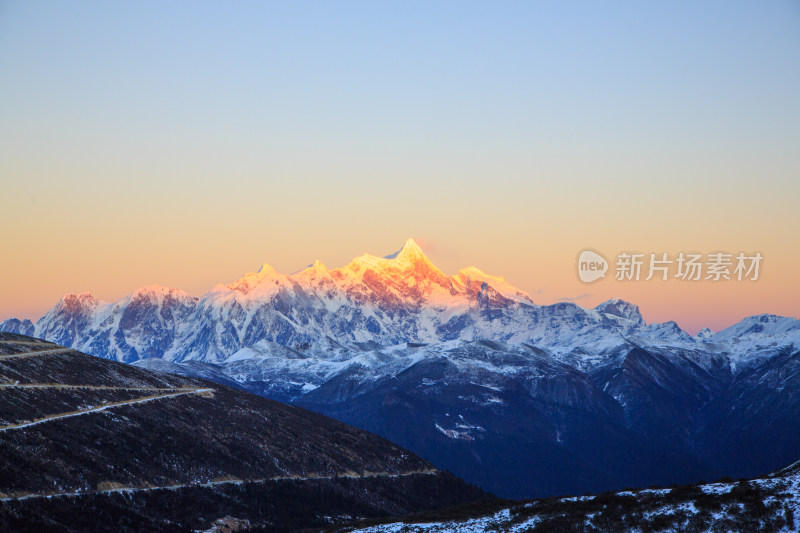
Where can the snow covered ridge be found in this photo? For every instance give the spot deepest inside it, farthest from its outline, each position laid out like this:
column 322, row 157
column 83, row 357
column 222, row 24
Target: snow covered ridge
column 390, row 300
column 768, row 504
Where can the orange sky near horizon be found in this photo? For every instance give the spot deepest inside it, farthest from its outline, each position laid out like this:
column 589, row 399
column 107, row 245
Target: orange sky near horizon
column 548, row 274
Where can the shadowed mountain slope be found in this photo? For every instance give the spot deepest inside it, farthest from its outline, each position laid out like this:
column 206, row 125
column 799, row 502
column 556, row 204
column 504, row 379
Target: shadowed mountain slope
column 82, row 438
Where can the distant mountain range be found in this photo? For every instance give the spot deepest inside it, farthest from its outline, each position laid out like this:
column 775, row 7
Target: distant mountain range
column 94, row 445
column 467, row 371
column 380, row 301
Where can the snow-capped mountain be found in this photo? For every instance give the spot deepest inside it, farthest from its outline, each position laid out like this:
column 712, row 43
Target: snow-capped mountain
column 398, row 298
column 143, row 324
column 467, row 371
column 388, row 300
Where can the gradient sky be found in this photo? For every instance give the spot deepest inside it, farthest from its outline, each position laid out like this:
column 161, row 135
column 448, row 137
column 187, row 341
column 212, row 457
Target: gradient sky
column 185, row 143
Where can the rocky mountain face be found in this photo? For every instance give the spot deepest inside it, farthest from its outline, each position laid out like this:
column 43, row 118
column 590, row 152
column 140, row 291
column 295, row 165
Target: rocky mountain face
column 387, row 300
column 467, row 371
column 91, row 444
column 520, row 422
column 770, row 504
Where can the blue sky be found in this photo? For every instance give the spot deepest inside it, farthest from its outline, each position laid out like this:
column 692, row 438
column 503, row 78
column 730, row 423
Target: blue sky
column 382, row 76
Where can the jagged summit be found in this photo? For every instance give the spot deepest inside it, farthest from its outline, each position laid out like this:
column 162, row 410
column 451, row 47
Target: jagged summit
column 410, row 256
column 471, row 278
column 409, row 252
column 315, row 271
column 78, row 297
column 73, row 302
column 404, row 278
column 266, row 270
column 406, row 264
column 759, row 325
column 158, row 291
column 622, row 309
column 704, row 334
column 316, row 266
column 476, row 274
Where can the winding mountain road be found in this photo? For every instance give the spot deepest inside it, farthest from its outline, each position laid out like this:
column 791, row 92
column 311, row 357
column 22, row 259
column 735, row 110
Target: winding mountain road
column 231, row 481
column 19, row 385
column 34, row 354
column 103, row 407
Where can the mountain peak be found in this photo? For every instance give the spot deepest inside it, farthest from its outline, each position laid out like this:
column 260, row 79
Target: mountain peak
column 407, row 273
column 266, row 270
column 159, row 292
column 409, row 256
column 315, row 269
column 410, row 252
column 84, row 298
column 621, row 308
column 317, row 266
column 469, row 276
column 260, row 284
column 704, row 334
column 477, row 273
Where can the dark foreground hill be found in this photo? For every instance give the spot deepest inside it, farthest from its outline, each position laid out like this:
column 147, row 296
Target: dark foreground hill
column 88, row 444
column 769, row 504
